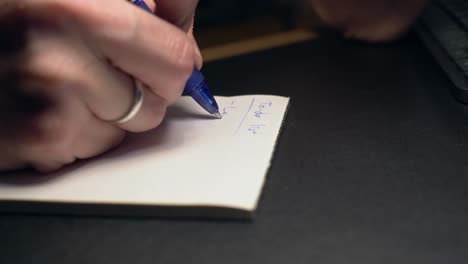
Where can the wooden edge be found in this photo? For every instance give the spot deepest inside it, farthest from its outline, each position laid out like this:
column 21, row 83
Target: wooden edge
column 256, row 44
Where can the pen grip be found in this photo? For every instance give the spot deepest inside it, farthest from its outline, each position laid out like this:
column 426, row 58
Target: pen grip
column 196, row 78
column 142, row 4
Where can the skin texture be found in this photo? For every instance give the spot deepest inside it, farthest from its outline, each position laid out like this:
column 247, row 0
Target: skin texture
column 67, row 69
column 369, row 20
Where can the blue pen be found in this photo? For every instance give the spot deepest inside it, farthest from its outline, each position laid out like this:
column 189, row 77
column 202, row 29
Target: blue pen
column 195, row 86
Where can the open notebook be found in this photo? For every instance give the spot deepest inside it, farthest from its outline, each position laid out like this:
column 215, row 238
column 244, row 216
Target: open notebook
column 192, row 165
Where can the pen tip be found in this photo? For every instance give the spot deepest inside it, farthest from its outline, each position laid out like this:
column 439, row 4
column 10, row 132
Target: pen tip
column 218, row 115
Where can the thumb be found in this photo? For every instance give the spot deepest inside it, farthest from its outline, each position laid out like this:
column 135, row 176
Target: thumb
column 198, row 56
column 180, row 14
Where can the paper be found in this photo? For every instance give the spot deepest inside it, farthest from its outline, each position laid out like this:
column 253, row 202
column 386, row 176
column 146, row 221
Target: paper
column 190, row 160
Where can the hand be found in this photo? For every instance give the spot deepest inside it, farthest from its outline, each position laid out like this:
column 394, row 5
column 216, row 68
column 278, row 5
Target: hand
column 371, row 20
column 67, row 69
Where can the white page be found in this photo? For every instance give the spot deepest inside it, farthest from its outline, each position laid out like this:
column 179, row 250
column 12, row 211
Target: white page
column 191, row 159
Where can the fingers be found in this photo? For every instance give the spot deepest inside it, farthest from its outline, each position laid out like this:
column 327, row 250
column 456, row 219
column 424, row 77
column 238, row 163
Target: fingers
column 181, row 15
column 151, row 4
column 45, row 139
column 83, row 53
column 110, row 94
column 107, row 91
column 95, row 138
column 150, row 115
column 198, row 56
column 57, row 136
column 9, row 159
column 185, row 24
column 140, row 44
column 81, row 94
column 156, row 52
column 65, row 131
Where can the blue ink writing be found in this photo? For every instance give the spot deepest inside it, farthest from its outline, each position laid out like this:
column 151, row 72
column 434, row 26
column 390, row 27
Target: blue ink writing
column 261, row 109
column 227, row 108
column 259, row 118
column 256, row 119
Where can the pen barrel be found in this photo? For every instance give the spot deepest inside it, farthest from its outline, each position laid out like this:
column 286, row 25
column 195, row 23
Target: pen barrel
column 195, row 85
column 195, row 79
column 201, row 94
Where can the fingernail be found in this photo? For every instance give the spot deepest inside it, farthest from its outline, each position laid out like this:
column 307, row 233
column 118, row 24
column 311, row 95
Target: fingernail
column 198, row 56
column 196, row 48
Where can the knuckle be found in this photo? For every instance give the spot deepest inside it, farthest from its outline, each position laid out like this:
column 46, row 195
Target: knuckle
column 176, row 89
column 152, row 115
column 182, row 54
column 118, row 26
column 48, row 131
column 183, row 61
column 158, row 113
column 50, row 166
column 155, row 117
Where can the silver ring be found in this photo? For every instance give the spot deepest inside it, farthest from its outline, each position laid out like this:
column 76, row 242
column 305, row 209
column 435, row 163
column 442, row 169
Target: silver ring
column 136, row 106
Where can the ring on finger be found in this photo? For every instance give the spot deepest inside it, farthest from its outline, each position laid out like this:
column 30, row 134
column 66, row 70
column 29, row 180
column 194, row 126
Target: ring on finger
column 136, row 105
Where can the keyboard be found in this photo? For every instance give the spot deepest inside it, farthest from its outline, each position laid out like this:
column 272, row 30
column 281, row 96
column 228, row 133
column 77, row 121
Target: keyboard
column 443, row 27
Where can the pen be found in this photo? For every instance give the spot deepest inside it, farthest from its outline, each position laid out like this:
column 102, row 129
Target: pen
column 195, row 86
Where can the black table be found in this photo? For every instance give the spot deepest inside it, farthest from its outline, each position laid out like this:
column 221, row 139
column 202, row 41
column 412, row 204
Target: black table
column 370, row 168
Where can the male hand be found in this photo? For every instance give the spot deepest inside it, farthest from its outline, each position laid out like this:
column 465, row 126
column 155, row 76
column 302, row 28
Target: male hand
column 67, row 70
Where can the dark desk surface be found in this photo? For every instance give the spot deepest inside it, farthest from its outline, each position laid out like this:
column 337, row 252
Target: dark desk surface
column 371, row 168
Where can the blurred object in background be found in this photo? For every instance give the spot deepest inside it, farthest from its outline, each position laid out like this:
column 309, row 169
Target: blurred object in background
column 221, row 22
column 211, row 12
column 443, row 28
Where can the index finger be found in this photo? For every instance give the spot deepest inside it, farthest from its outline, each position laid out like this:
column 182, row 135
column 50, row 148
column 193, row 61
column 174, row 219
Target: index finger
column 142, row 45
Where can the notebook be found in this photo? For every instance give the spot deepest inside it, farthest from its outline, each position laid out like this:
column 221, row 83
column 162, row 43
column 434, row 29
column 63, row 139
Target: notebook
column 192, row 165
